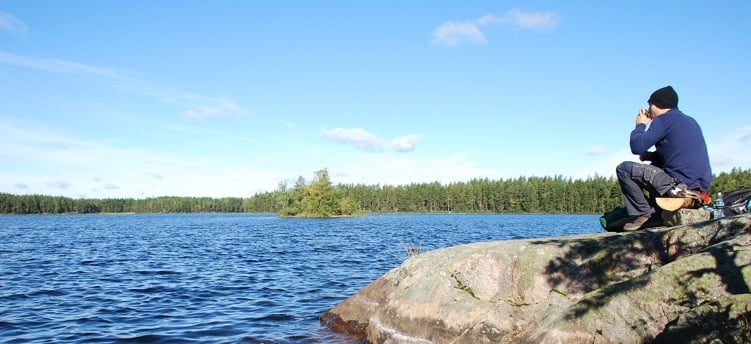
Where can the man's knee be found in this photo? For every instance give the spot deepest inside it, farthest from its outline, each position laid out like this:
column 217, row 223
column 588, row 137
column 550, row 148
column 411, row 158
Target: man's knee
column 623, row 170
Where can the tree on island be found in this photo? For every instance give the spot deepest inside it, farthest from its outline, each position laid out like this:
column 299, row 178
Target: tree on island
column 320, row 199
column 548, row 194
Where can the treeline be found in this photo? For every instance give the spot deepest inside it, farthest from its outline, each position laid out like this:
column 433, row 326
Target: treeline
column 39, row 204
column 520, row 195
column 321, row 198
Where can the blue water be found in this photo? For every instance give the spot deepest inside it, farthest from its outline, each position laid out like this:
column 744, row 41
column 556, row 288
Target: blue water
column 215, row 277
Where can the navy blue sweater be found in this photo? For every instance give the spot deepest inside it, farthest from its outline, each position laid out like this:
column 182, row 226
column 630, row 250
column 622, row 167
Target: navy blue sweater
column 680, row 143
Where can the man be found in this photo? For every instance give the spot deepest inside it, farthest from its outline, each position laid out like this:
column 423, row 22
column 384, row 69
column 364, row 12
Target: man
column 680, row 163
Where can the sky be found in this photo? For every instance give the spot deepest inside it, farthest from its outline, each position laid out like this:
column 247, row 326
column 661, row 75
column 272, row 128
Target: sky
column 137, row 99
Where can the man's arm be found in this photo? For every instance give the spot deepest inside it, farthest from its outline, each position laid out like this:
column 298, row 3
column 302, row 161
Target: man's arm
column 654, row 157
column 643, row 139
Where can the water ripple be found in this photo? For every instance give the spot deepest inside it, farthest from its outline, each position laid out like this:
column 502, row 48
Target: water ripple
column 214, row 277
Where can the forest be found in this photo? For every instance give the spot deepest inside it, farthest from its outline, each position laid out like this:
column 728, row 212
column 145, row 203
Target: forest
column 321, row 198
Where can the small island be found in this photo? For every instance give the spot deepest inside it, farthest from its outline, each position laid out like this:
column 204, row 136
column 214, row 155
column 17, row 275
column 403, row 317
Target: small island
column 318, row 200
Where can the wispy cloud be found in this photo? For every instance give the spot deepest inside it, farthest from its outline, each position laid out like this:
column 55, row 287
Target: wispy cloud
column 48, row 163
column 199, row 107
column 402, row 170
column 731, row 152
column 522, row 20
column 471, row 32
column 58, row 66
column 218, row 108
column 358, row 138
column 595, row 150
column 453, row 33
column 724, row 155
column 365, row 141
column 405, row 143
column 745, row 137
column 155, row 175
column 111, row 187
column 12, row 24
column 59, row 184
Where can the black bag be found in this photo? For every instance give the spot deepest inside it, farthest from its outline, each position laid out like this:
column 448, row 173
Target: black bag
column 736, row 202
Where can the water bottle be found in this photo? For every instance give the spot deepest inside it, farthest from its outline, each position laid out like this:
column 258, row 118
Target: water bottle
column 719, row 206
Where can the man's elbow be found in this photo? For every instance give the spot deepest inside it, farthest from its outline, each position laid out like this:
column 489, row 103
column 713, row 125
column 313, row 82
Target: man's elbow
column 636, row 149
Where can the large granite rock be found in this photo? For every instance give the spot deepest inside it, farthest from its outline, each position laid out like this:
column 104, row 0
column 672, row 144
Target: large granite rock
column 685, row 284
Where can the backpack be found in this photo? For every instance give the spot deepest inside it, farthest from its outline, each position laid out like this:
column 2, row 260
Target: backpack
column 613, row 221
column 736, row 202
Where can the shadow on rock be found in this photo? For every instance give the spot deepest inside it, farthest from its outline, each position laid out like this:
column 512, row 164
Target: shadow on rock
column 635, row 287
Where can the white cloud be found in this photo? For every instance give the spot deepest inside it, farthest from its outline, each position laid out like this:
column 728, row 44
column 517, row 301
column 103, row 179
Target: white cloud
column 523, row 20
column 41, row 161
column 57, row 66
column 98, row 170
column 724, row 155
column 59, row 184
column 402, row 170
column 12, row 24
column 358, row 138
column 600, row 164
column 121, row 174
column 595, row 150
column 745, row 137
column 453, row 33
column 405, row 143
column 365, row 141
column 732, row 151
column 217, row 109
column 111, row 187
column 154, row 175
column 200, row 107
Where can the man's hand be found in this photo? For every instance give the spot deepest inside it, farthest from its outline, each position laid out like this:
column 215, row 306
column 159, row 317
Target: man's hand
column 643, row 117
column 646, row 156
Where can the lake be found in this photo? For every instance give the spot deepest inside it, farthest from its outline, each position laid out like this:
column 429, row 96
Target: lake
column 238, row 278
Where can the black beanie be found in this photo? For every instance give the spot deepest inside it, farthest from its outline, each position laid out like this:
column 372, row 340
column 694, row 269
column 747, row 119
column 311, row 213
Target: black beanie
column 664, row 98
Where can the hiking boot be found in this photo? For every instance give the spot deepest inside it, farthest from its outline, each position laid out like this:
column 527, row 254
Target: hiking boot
column 682, row 191
column 636, row 223
column 644, row 221
column 617, row 225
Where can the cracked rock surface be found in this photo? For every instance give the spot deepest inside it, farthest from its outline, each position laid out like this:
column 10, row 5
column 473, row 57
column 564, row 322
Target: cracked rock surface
column 685, row 283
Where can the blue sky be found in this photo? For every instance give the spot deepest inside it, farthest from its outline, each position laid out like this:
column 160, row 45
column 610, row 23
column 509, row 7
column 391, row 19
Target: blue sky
column 105, row 99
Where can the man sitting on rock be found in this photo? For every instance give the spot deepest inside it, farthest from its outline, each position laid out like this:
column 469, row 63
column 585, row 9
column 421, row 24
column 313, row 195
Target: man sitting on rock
column 680, row 164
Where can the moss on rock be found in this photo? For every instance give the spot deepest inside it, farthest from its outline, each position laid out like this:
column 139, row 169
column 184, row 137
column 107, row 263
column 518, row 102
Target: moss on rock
column 609, row 287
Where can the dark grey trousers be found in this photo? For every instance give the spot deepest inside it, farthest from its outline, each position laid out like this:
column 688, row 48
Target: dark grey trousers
column 635, row 179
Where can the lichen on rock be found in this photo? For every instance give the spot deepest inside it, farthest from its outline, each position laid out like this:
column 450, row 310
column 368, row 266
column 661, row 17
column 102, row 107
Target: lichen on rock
column 604, row 288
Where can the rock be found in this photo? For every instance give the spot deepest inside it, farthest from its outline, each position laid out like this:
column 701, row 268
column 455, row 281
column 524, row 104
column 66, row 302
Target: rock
column 632, row 287
column 684, row 216
column 725, row 319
